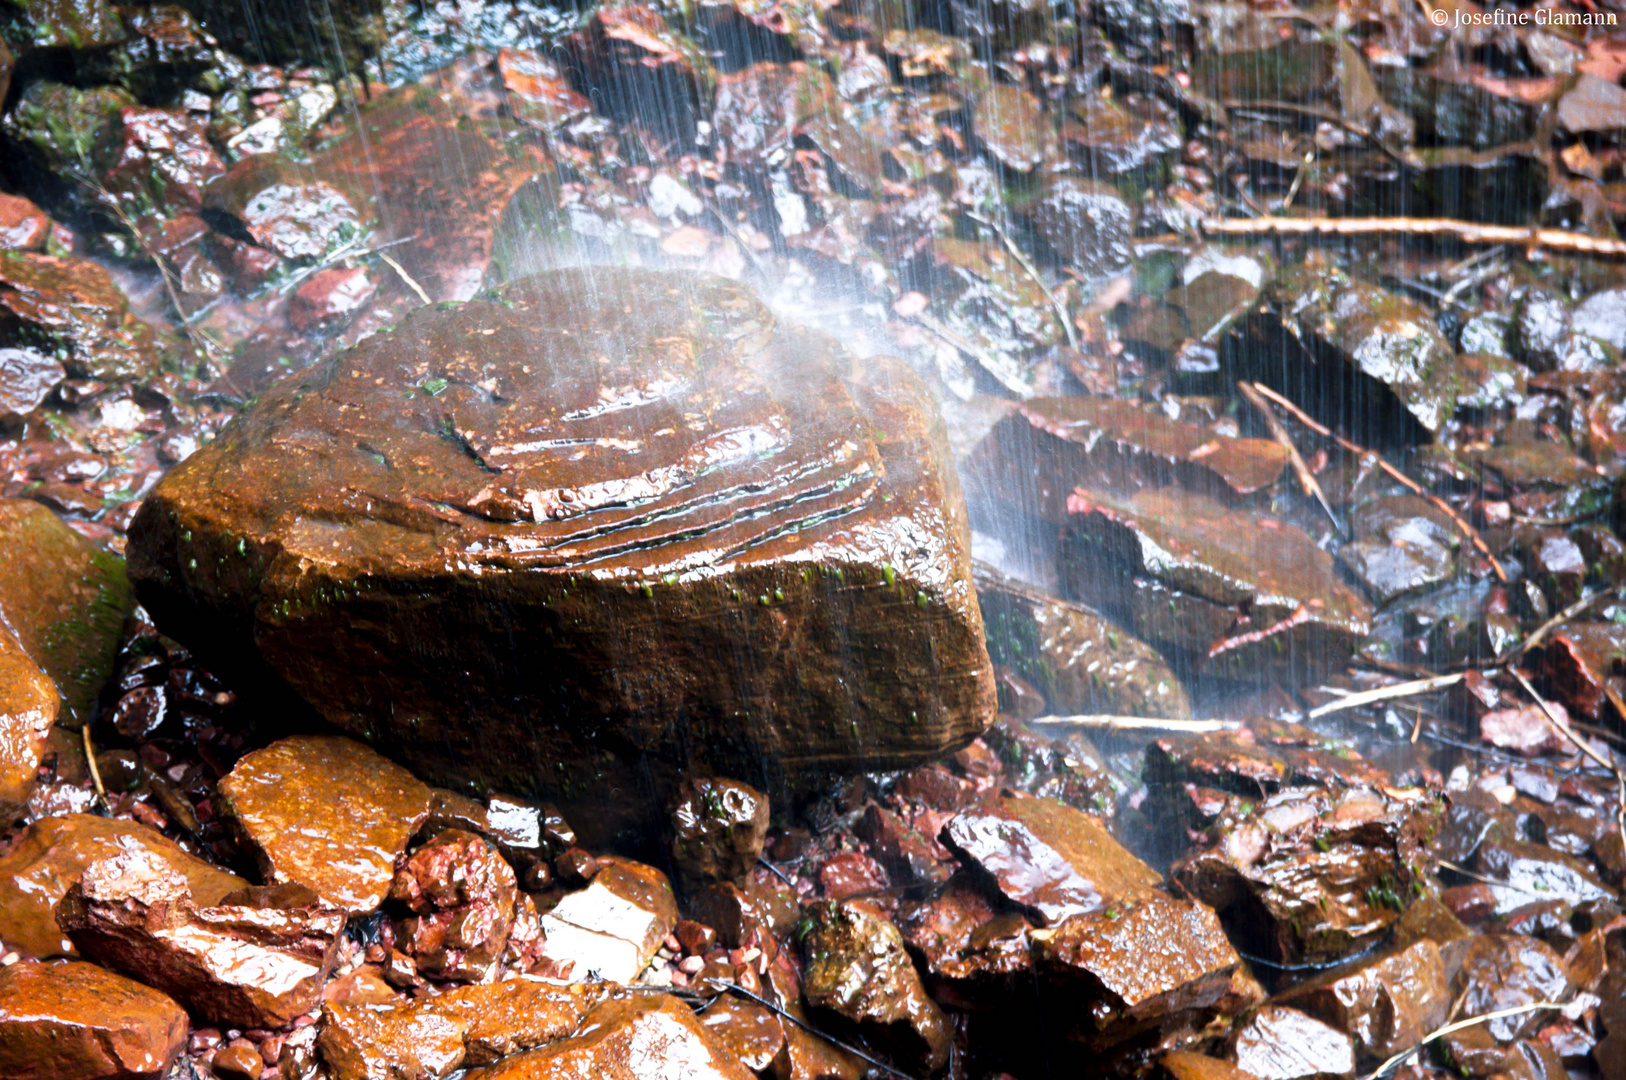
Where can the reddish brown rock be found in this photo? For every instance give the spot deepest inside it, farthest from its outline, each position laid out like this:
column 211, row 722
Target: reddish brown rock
column 28, row 707
column 64, row 598
column 23, row 226
column 644, row 1038
column 326, row 813
column 1033, row 459
column 1139, row 963
column 539, row 93
column 1237, row 595
column 159, row 159
column 256, row 960
column 854, row 537
column 360, row 1042
column 1048, row 857
column 52, row 854
column 642, row 69
column 462, row 896
column 718, row 829
column 1313, row 875
column 1279, row 1043
column 328, row 299
column 74, row 1021
column 739, row 913
column 74, row 307
column 1384, row 1004
column 969, row 948
column 508, row 1017
column 290, row 210
column 858, row 968
column 746, row 1032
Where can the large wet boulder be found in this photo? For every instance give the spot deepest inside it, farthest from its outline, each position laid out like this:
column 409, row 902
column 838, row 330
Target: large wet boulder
column 78, row 1022
column 508, row 541
column 1233, row 594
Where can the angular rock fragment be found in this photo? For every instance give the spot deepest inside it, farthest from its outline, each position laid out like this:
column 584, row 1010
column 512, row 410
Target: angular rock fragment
column 1542, row 479
column 1033, row 459
column 746, row 1032
column 740, row 914
column 1010, row 125
column 970, row 949
column 1536, row 870
column 1079, row 661
column 28, row 707
column 1048, row 858
column 1313, row 875
column 71, row 309
column 23, row 226
column 1584, row 662
column 644, row 1038
column 1084, row 225
column 27, row 378
column 612, row 928
column 326, row 813
column 718, row 829
column 1507, row 971
column 1260, row 758
column 539, row 93
column 1139, row 964
column 639, row 68
column 75, row 1021
column 857, row 967
column 285, row 209
column 462, row 896
column 807, row 511
column 1345, row 342
column 1278, row 1043
column 1385, row 1004
column 52, row 854
column 361, row 1042
column 504, row 1018
column 159, row 159
column 256, row 960
column 1234, row 594
column 1402, row 544
column 59, row 127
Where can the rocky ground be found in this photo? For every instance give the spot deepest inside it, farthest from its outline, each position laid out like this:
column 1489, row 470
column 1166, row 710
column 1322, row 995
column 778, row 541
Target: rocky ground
column 1196, row 658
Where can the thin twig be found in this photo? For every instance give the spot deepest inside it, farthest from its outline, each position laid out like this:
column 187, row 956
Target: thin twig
column 778, row 873
column 1136, row 723
column 1440, row 1033
column 1033, row 272
column 1467, row 530
column 90, row 759
column 1315, row 113
column 1387, row 693
column 1467, row 232
column 805, row 1026
column 400, row 272
column 1307, row 479
column 1582, row 745
column 1555, row 622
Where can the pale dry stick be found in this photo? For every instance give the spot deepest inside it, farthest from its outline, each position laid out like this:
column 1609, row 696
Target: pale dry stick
column 1467, row 232
column 1580, row 744
column 1033, row 272
column 1307, row 479
column 1387, row 693
column 1440, row 1033
column 1136, row 723
column 1555, row 622
column 1411, row 485
column 90, row 759
column 400, row 272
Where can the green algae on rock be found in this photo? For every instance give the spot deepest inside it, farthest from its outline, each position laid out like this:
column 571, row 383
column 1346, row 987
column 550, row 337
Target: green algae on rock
column 64, row 599
column 604, row 521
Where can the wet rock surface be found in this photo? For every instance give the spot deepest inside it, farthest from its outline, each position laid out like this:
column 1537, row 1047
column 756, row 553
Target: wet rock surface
column 328, row 814
column 75, row 1021
column 1228, row 592
column 514, row 504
